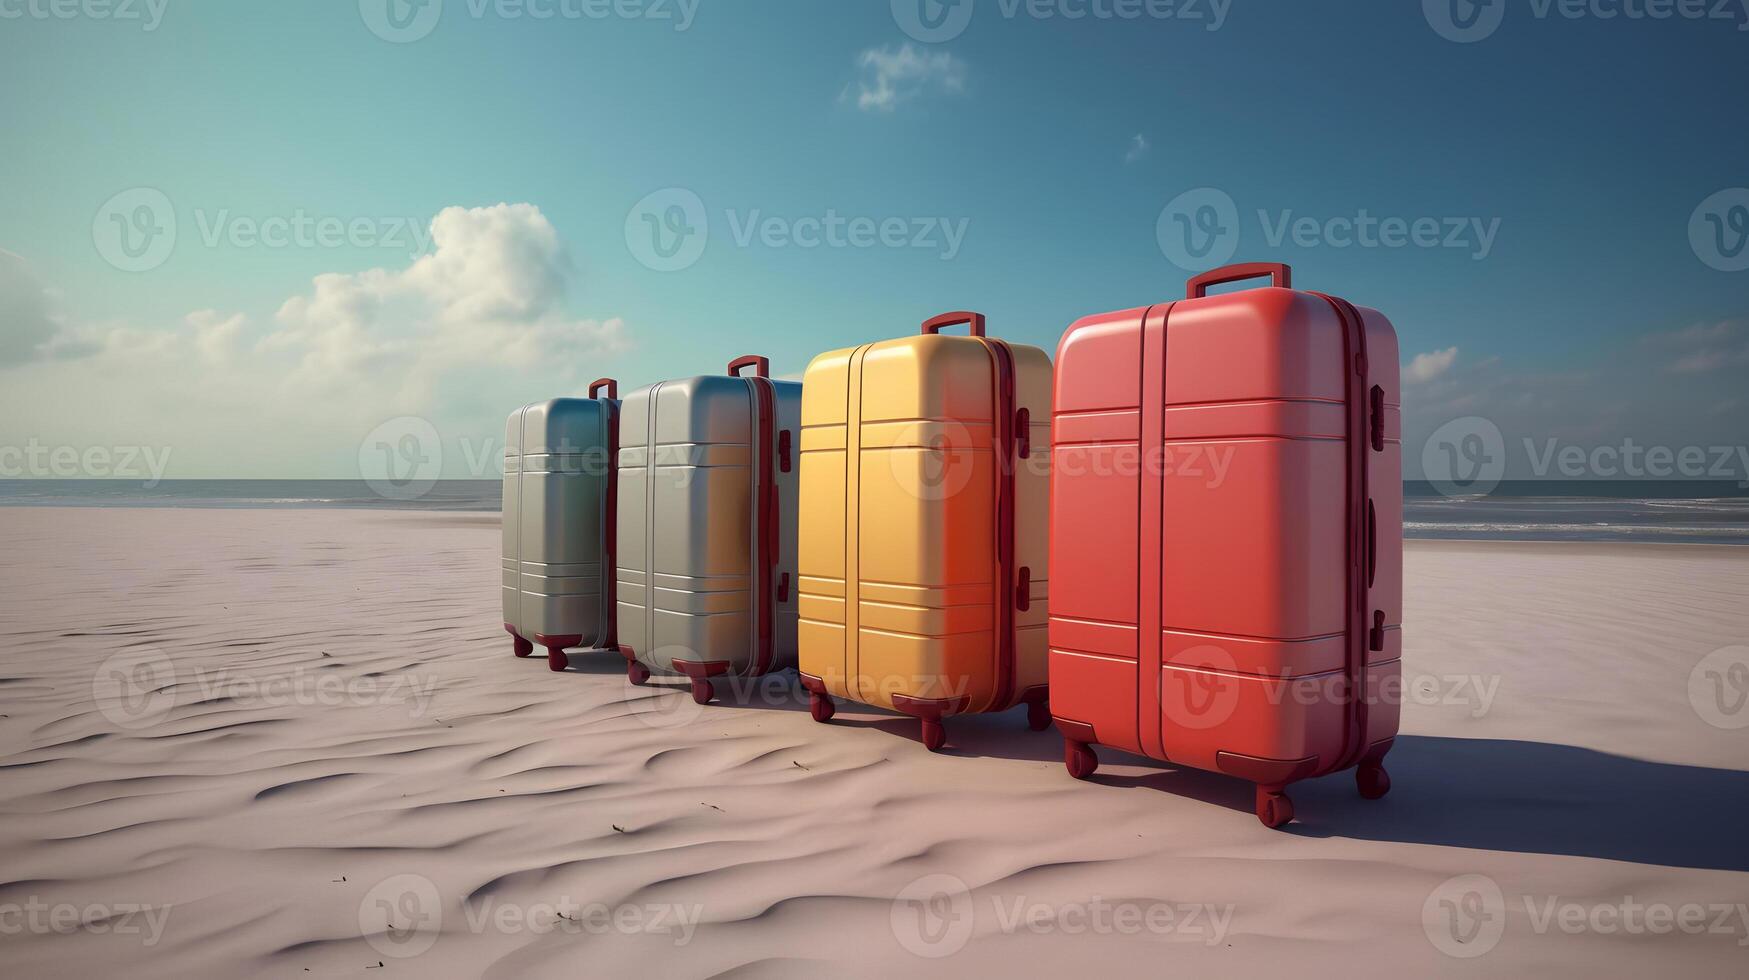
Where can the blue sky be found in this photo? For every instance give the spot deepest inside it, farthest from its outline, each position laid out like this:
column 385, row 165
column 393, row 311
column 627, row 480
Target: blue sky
column 1028, row 159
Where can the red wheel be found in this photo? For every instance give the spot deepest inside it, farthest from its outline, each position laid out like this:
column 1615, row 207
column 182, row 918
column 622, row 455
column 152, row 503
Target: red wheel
column 557, row 661
column 1274, row 809
column 522, row 647
column 1038, row 715
column 637, row 673
column 934, row 734
column 1079, row 758
column 702, row 690
column 821, row 706
column 1374, row 781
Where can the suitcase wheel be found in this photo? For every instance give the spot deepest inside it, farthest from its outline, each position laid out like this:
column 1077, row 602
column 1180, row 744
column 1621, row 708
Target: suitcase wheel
column 934, row 734
column 821, row 706
column 1373, row 780
column 1079, row 758
column 1274, row 808
column 703, row 690
column 637, row 673
column 557, row 661
column 523, row 647
column 1038, row 715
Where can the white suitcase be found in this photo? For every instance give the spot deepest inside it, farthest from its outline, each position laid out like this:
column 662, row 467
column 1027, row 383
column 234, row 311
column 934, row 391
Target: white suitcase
column 559, row 524
column 707, row 526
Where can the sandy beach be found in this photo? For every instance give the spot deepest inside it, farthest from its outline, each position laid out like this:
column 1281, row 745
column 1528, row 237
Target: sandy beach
column 295, row 743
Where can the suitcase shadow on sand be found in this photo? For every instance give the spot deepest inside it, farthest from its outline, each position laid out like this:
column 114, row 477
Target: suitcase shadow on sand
column 1535, row 797
column 998, row 735
column 1488, row 794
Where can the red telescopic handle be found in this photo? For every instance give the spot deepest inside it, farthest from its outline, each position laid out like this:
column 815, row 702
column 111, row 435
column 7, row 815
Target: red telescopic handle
column 761, row 365
column 611, row 385
column 975, row 320
column 1281, row 275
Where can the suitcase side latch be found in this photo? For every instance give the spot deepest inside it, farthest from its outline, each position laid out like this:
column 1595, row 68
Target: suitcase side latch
column 1023, row 589
column 783, row 451
column 1023, row 434
column 1377, row 412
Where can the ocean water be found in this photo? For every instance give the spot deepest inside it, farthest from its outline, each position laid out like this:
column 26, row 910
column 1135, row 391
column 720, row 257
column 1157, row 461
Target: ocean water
column 1699, row 512
column 459, row 495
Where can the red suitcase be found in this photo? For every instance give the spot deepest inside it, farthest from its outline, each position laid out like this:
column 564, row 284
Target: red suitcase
column 1226, row 552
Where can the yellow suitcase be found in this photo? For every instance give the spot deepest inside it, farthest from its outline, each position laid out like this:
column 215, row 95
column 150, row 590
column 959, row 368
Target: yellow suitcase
column 925, row 505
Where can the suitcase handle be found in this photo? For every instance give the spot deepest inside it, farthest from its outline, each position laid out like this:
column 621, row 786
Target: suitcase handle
column 1282, row 276
column 934, row 325
column 611, row 385
column 761, row 366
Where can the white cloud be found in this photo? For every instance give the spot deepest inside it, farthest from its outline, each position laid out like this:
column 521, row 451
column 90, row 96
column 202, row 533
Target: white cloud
column 1703, row 348
column 1595, row 397
column 216, row 336
column 28, row 324
column 891, row 76
column 1428, row 366
column 489, row 293
column 1139, row 147
column 461, row 336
